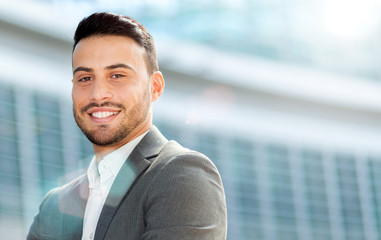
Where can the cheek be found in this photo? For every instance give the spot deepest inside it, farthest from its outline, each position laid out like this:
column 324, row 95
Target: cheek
column 77, row 96
column 125, row 94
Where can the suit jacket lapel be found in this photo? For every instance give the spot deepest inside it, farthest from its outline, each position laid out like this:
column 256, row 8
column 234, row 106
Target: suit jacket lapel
column 140, row 158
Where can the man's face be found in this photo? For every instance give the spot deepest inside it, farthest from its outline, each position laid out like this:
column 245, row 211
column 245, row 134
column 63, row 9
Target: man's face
column 111, row 89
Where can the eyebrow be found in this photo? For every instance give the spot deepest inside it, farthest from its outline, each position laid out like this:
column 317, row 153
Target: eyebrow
column 114, row 66
column 120, row 65
column 84, row 69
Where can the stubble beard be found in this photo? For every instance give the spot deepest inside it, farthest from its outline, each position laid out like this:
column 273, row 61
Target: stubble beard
column 103, row 135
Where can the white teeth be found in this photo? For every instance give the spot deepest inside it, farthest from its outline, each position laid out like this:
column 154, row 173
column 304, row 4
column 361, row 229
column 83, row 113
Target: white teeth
column 103, row 114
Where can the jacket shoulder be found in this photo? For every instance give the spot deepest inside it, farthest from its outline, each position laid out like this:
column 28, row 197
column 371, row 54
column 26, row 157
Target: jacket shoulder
column 61, row 212
column 185, row 190
column 173, row 151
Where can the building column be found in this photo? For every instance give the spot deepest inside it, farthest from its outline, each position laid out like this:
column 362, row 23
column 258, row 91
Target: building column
column 28, row 155
column 367, row 206
column 70, row 143
column 298, row 187
column 265, row 196
column 333, row 196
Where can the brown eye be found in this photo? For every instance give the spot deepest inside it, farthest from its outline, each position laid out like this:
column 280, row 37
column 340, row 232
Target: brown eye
column 85, row 79
column 117, row 76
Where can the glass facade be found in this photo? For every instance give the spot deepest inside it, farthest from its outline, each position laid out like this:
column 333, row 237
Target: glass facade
column 374, row 165
column 274, row 191
column 49, row 140
column 315, row 194
column 245, row 180
column 352, row 219
column 10, row 184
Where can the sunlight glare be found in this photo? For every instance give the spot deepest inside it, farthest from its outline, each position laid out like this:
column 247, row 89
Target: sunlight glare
column 353, row 19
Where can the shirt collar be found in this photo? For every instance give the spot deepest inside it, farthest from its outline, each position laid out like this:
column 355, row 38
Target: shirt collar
column 99, row 175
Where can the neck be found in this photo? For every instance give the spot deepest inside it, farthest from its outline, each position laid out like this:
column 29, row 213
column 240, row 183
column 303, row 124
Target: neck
column 101, row 151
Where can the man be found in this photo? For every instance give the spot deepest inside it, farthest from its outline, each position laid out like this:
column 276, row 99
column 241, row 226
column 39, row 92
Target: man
column 139, row 185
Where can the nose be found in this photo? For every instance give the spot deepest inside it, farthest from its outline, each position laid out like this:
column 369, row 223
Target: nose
column 101, row 91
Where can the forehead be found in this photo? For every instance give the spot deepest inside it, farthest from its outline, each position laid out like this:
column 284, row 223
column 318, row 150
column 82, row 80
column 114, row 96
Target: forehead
column 98, row 50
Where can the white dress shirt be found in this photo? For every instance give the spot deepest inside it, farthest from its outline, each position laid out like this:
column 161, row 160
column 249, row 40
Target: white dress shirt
column 101, row 176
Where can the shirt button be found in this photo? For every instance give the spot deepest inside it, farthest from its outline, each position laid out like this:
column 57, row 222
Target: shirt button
column 91, row 236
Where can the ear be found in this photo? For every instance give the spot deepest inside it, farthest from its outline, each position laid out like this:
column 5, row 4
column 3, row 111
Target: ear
column 157, row 85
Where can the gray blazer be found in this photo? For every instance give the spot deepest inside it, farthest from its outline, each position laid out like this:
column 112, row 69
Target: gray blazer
column 163, row 191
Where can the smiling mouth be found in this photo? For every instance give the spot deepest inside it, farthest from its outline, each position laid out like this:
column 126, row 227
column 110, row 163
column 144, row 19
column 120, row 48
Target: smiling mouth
column 105, row 114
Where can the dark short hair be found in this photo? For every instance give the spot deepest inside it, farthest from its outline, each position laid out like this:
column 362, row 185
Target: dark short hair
column 104, row 23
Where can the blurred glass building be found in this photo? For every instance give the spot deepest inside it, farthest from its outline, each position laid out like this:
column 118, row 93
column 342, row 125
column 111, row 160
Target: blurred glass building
column 288, row 110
